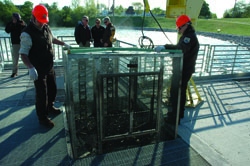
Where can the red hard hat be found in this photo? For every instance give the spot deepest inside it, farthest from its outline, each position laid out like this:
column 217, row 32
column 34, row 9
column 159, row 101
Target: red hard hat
column 183, row 19
column 41, row 13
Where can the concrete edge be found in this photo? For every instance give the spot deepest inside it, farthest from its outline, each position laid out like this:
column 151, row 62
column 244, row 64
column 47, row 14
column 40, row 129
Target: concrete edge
column 200, row 146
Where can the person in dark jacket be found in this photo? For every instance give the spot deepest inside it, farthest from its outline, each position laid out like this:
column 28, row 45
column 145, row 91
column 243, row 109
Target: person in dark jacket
column 109, row 32
column 189, row 45
column 37, row 54
column 97, row 32
column 83, row 33
column 15, row 28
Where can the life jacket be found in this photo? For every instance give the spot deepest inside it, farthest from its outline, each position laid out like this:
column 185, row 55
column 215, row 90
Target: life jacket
column 109, row 34
column 41, row 53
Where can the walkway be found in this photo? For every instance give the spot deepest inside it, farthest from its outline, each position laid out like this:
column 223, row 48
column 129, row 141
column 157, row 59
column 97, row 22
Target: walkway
column 219, row 128
column 216, row 132
column 22, row 140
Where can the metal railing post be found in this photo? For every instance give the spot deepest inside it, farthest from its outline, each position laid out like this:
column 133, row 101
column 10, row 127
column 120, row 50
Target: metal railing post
column 235, row 55
column 212, row 59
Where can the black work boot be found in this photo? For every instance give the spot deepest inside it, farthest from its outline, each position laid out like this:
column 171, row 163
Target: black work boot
column 54, row 110
column 13, row 75
column 47, row 123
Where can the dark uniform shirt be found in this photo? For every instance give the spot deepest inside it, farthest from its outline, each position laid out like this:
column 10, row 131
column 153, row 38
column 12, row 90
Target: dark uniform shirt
column 97, row 34
column 189, row 45
column 41, row 53
column 82, row 34
column 15, row 31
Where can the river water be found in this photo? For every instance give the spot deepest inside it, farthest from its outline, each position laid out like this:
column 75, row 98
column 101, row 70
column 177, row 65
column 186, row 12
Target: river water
column 132, row 36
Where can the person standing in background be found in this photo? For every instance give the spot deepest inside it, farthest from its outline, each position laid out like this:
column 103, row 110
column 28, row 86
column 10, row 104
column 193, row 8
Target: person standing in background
column 109, row 32
column 15, row 28
column 83, row 33
column 97, row 33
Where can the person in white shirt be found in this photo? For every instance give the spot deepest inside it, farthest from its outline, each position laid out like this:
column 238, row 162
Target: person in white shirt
column 37, row 54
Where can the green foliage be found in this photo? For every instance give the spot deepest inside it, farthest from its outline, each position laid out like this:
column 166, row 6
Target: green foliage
column 65, row 17
column 214, row 15
column 136, row 21
column 69, row 17
column 240, row 10
column 246, row 13
column 3, row 14
column 119, row 10
column 26, row 11
column 205, row 11
column 7, row 8
column 54, row 15
column 138, row 6
column 235, row 26
column 75, row 3
column 90, row 8
column 158, row 11
column 102, row 6
column 66, row 14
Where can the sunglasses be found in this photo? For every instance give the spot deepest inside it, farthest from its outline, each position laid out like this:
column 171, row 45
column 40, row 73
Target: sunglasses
column 86, row 20
column 181, row 26
column 97, row 22
column 105, row 22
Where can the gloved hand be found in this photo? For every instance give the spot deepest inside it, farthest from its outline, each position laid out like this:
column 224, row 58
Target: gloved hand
column 33, row 74
column 159, row 48
column 67, row 46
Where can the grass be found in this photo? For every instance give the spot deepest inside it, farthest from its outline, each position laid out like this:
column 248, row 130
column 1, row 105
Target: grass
column 227, row 26
column 234, row 26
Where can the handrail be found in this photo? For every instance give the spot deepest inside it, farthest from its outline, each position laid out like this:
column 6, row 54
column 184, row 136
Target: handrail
column 118, row 43
column 83, row 50
column 212, row 59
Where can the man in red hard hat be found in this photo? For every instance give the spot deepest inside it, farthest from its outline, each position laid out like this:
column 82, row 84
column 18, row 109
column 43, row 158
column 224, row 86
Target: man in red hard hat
column 189, row 45
column 37, row 54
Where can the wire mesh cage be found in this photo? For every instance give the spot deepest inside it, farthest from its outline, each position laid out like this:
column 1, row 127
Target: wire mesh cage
column 114, row 98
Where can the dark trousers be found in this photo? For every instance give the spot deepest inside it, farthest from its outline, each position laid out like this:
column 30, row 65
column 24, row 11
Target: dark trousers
column 178, row 88
column 98, row 44
column 46, row 90
column 185, row 78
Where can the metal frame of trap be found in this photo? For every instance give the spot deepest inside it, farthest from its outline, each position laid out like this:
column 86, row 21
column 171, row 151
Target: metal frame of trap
column 78, row 59
column 112, row 95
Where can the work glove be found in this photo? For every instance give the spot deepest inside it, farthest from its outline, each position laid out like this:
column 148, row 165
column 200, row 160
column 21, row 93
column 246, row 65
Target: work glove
column 33, row 74
column 159, row 48
column 67, row 46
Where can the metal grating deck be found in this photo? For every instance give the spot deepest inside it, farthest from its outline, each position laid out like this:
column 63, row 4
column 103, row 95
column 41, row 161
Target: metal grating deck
column 175, row 152
column 24, row 142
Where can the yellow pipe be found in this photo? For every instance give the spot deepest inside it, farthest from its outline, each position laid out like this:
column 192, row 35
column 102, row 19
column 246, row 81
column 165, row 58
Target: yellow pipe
column 147, row 8
column 196, row 91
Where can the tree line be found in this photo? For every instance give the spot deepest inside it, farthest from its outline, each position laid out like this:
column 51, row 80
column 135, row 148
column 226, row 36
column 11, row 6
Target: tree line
column 69, row 16
column 240, row 10
column 65, row 17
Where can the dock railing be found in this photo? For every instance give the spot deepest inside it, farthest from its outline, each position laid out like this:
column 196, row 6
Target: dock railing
column 213, row 60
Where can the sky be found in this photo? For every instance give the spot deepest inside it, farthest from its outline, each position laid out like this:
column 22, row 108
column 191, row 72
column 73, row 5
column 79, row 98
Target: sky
column 216, row 6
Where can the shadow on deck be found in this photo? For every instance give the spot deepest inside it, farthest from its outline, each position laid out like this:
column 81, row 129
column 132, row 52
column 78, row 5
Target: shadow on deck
column 206, row 135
